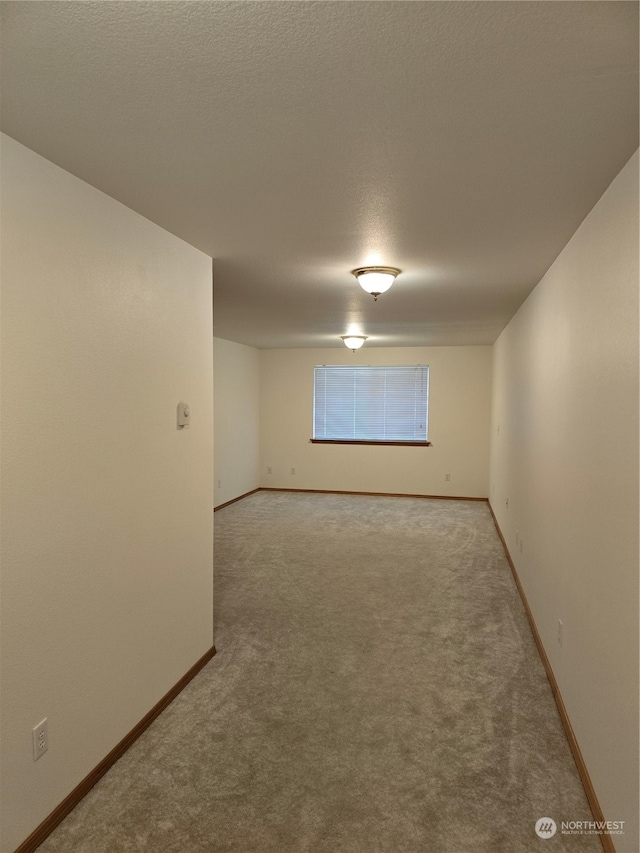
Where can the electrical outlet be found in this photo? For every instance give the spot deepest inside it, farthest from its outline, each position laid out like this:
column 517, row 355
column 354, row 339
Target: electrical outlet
column 269, row 469
column 560, row 632
column 447, row 477
column 293, row 470
column 219, row 483
column 40, row 739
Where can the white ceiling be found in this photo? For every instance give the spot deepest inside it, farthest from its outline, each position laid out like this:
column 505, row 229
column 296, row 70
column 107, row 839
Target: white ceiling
column 463, row 142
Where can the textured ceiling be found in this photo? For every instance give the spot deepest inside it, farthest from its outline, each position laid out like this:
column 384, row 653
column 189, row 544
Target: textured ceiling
column 294, row 141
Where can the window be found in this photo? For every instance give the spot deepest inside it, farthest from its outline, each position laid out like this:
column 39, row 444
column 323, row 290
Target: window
column 371, row 404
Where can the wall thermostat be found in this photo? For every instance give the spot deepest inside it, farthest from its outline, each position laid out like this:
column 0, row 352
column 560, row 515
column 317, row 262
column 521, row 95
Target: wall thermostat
column 184, row 414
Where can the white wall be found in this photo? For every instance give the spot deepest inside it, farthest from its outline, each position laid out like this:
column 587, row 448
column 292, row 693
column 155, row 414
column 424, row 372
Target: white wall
column 237, row 419
column 106, row 506
column 459, row 413
column 565, row 455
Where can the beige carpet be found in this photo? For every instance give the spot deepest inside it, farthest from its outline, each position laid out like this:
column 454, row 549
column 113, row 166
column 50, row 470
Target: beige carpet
column 376, row 690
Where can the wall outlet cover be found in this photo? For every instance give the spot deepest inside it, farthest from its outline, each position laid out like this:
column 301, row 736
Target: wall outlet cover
column 40, row 739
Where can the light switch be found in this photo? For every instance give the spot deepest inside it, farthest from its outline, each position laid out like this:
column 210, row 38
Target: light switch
column 184, row 414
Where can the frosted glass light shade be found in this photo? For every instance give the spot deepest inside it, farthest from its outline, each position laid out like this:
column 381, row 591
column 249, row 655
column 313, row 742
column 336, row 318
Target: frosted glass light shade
column 353, row 342
column 376, row 280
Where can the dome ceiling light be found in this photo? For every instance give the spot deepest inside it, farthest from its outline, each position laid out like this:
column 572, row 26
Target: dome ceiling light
column 376, row 280
column 353, row 342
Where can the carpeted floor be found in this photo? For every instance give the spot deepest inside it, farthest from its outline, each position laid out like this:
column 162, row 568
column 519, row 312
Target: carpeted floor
column 376, row 690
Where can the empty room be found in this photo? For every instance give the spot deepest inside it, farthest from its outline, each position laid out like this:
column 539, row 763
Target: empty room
column 320, row 426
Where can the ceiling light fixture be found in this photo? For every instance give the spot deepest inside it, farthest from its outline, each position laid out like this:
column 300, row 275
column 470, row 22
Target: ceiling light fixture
column 354, row 342
column 376, row 280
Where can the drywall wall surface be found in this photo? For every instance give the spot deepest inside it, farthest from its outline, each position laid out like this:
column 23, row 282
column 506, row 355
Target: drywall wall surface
column 236, row 370
column 106, row 505
column 564, row 454
column 459, row 412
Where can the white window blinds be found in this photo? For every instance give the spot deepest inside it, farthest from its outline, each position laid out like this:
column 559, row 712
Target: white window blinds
column 371, row 403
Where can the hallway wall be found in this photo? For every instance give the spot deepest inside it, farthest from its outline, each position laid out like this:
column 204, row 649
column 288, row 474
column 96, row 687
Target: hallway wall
column 236, row 433
column 106, row 506
column 564, row 483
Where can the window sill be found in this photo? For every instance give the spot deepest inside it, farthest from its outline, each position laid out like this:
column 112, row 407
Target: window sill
column 368, row 441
